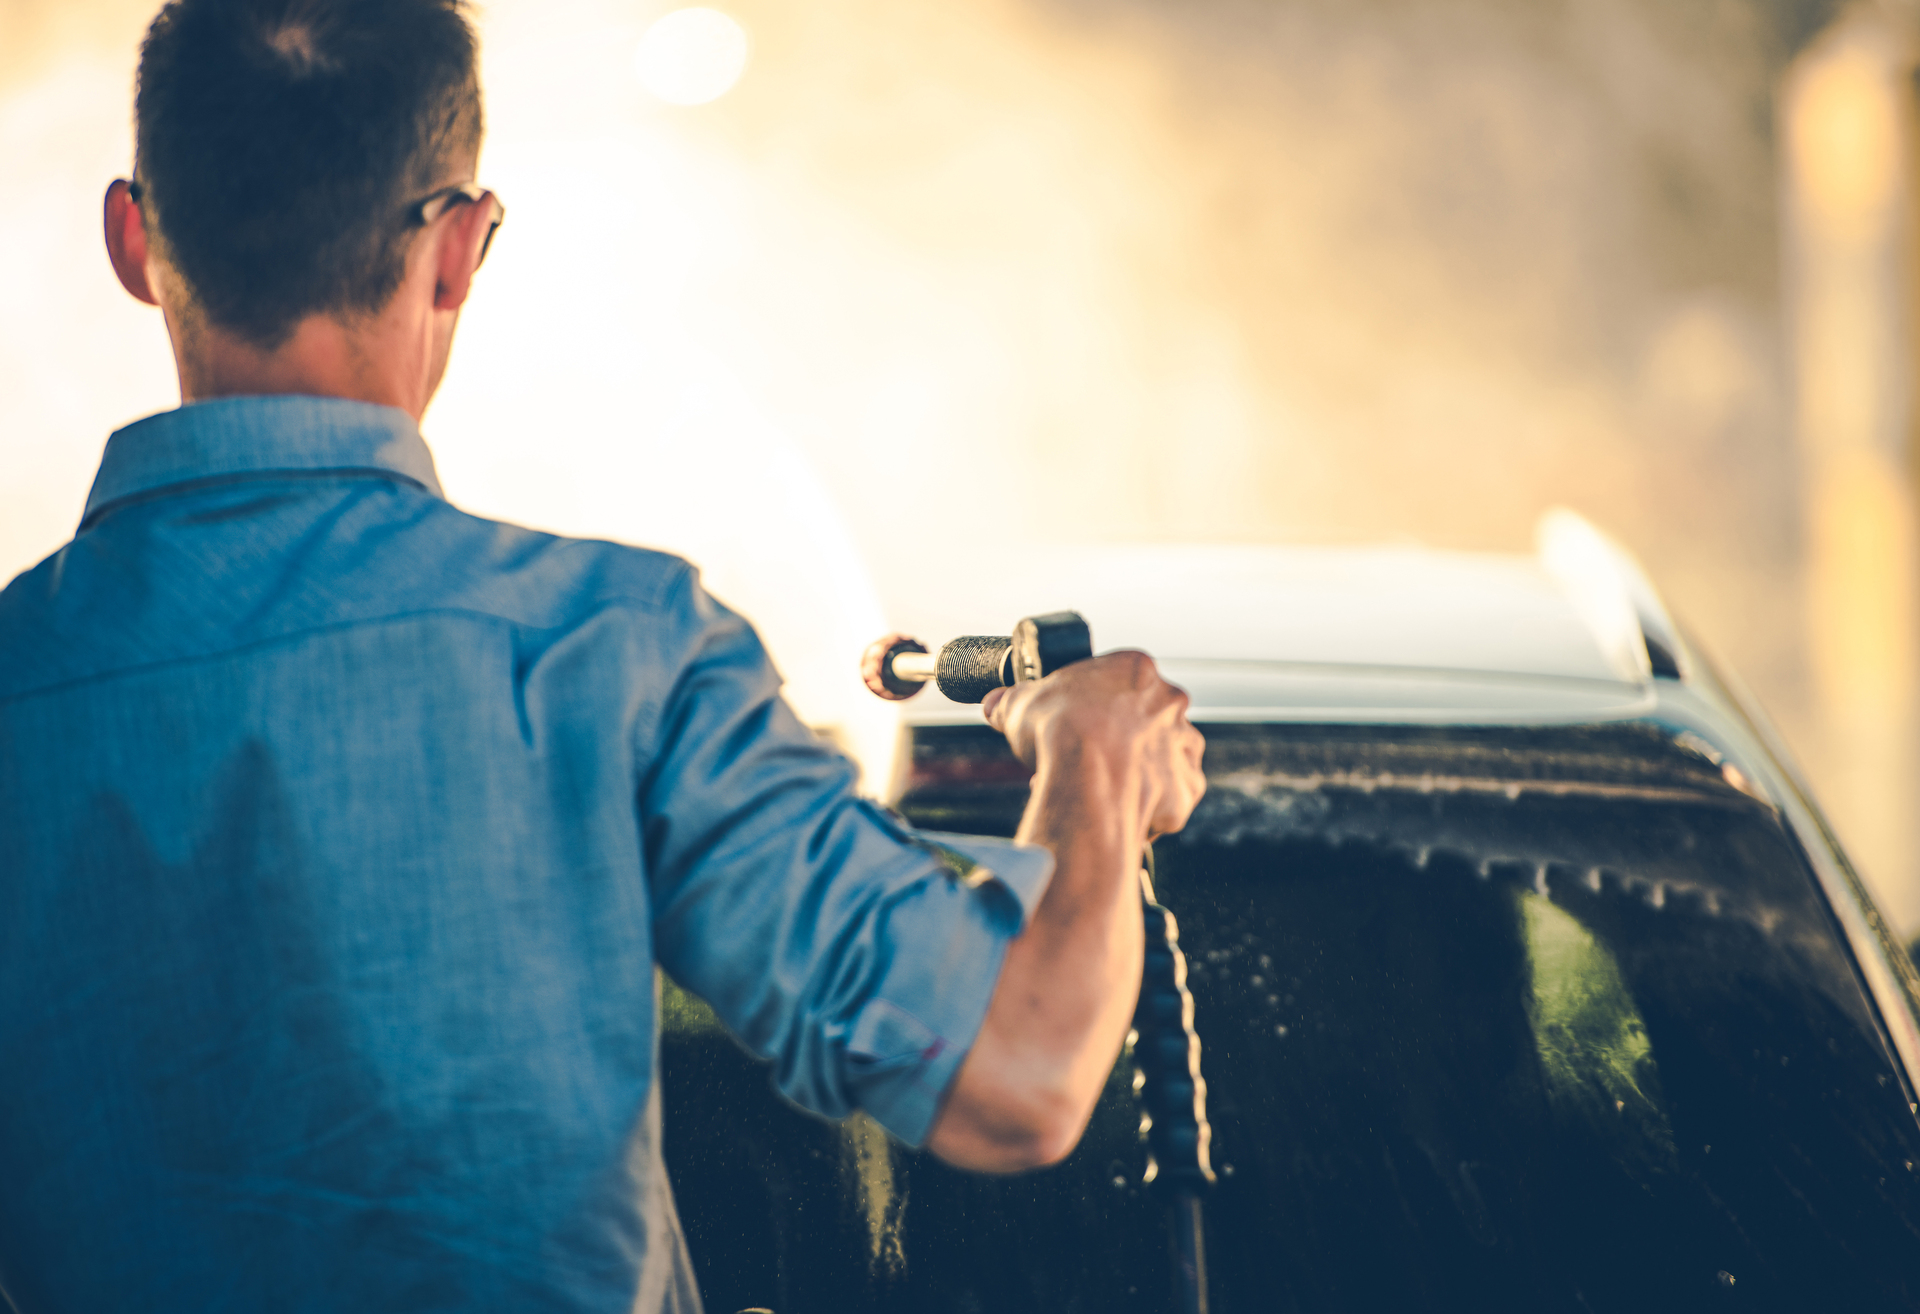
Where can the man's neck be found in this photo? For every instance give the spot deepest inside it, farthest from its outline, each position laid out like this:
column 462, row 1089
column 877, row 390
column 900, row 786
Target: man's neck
column 375, row 361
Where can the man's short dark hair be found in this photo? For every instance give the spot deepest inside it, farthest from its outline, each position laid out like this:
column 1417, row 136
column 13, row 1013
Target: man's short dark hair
column 281, row 142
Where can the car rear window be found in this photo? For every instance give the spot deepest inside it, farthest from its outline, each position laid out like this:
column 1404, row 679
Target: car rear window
column 1492, row 1019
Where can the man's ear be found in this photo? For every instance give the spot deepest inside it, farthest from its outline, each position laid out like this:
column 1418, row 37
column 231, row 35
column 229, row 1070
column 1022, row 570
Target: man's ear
column 462, row 247
column 127, row 241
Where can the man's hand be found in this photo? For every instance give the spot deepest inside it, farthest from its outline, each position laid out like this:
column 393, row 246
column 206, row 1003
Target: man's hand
column 1118, row 709
column 1116, row 763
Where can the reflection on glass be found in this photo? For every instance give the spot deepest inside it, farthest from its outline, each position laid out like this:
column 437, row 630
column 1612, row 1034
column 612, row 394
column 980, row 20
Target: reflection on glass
column 866, row 1169
column 1594, row 1051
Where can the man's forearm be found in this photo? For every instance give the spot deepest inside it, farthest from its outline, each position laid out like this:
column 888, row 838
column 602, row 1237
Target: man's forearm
column 1115, row 762
column 1067, row 988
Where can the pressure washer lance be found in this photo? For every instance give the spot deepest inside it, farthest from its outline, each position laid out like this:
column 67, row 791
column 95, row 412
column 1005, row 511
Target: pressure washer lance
column 970, row 667
column 1166, row 1049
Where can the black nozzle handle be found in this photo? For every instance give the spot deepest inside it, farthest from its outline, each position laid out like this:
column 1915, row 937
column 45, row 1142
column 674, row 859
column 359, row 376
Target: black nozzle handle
column 973, row 665
column 1043, row 644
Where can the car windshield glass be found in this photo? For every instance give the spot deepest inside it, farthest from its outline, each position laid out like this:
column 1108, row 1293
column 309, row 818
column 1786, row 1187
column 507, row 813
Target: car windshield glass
column 1492, row 1019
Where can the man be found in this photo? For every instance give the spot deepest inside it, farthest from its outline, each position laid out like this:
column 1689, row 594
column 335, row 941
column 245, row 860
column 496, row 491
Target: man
column 341, row 832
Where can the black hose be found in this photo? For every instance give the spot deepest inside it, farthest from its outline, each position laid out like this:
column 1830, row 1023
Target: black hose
column 1190, row 1252
column 1172, row 1094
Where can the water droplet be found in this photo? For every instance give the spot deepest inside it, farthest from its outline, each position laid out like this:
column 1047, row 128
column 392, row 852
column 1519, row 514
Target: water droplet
column 1619, row 1106
column 1257, row 981
column 1226, row 1170
column 1512, row 791
column 1119, row 1183
column 1280, row 1032
column 1273, row 1001
column 1725, row 1278
column 1706, row 1149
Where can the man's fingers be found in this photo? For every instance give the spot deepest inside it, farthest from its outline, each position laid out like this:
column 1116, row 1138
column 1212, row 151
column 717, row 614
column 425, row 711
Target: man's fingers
column 1116, row 703
column 1010, row 712
column 1195, row 746
column 1185, row 782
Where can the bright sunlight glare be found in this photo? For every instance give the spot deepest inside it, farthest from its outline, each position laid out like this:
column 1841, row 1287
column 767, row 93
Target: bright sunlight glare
column 692, row 56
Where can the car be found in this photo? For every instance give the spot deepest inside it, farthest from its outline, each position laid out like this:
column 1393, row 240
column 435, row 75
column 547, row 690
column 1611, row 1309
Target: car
column 1526, row 973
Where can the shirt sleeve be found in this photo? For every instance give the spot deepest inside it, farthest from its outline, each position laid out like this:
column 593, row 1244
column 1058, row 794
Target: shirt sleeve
column 855, row 953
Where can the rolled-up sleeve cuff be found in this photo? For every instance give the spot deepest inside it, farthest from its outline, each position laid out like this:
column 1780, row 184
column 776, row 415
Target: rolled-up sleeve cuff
column 1021, row 870
column 950, row 937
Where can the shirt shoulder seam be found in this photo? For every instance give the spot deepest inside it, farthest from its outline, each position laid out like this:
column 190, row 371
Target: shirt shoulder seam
column 611, row 602
column 201, row 483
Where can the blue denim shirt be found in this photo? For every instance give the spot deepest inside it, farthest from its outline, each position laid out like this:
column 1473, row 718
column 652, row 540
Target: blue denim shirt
column 340, row 834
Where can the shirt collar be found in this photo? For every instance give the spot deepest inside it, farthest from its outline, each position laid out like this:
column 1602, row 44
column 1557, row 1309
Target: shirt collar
column 242, row 436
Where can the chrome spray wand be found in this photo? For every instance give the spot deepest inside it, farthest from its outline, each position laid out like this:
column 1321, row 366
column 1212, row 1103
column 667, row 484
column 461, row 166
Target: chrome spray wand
column 1166, row 1049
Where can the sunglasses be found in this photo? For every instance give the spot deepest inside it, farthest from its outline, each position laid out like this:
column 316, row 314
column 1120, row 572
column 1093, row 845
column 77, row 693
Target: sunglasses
column 430, row 207
column 423, row 211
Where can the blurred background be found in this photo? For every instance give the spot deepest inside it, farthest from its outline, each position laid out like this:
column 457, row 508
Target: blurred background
column 813, row 293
